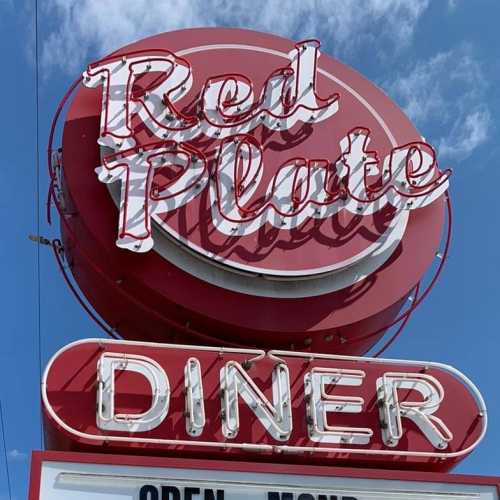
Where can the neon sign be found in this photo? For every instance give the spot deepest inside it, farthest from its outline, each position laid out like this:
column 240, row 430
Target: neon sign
column 159, row 397
column 236, row 188
column 227, row 111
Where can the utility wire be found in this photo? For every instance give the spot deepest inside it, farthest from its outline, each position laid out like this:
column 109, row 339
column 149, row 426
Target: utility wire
column 5, row 452
column 37, row 208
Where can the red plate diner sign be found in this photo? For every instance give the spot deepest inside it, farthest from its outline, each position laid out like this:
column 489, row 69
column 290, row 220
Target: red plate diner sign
column 140, row 398
column 232, row 186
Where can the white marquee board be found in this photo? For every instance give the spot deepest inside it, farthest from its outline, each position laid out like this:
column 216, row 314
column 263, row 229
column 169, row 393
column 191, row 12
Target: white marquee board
column 90, row 481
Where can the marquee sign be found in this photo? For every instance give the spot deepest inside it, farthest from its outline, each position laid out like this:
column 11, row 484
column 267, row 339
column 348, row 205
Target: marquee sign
column 234, row 187
column 58, row 476
column 144, row 398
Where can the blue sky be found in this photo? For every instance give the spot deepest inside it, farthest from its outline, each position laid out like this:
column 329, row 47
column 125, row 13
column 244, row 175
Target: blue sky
column 439, row 60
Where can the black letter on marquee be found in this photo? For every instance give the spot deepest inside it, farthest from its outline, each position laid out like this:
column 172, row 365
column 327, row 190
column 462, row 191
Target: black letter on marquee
column 189, row 492
column 209, row 495
column 166, row 491
column 275, row 495
column 148, row 492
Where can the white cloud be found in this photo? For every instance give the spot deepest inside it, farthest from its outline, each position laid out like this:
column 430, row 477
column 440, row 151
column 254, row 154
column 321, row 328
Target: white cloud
column 467, row 135
column 16, row 455
column 446, row 94
column 95, row 27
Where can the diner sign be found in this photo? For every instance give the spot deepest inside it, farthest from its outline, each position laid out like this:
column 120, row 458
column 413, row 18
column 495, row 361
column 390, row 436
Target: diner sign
column 231, row 187
column 142, row 398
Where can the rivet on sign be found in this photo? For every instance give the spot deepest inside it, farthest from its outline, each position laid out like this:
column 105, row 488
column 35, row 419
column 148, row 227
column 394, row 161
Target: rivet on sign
column 311, row 118
column 124, row 60
column 148, row 66
column 329, row 338
column 87, row 78
column 283, row 222
column 234, row 228
column 247, row 364
column 359, row 209
column 262, row 117
column 103, row 77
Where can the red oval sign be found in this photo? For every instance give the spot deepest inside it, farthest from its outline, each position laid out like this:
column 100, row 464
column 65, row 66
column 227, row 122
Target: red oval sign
column 262, row 189
column 134, row 397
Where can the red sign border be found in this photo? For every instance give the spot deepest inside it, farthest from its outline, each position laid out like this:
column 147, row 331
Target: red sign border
column 38, row 457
